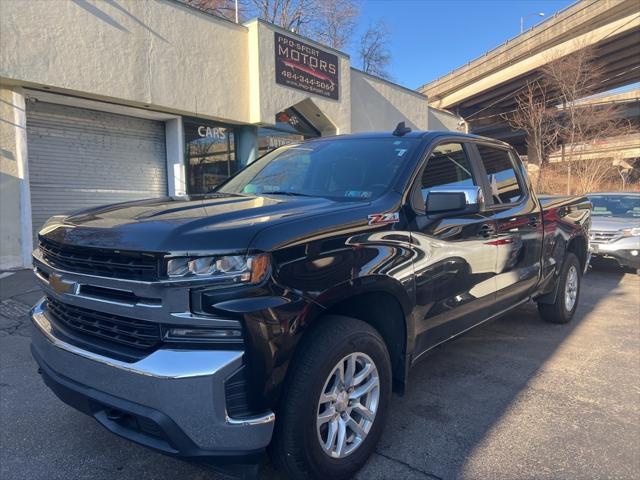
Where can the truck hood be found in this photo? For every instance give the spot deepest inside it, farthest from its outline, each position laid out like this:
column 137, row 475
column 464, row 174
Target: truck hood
column 213, row 223
column 609, row 224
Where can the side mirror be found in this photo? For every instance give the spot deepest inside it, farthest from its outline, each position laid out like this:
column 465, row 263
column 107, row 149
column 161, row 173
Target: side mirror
column 454, row 199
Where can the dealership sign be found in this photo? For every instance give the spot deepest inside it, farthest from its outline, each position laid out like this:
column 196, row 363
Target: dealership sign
column 304, row 67
column 212, row 132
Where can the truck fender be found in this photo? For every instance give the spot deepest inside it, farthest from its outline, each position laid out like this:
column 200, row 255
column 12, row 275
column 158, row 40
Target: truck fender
column 366, row 284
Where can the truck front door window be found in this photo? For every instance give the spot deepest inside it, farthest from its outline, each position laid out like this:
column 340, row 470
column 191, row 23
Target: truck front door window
column 447, row 166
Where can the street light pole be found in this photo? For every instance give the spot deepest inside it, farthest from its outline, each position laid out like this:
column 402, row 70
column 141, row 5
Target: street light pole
column 538, row 14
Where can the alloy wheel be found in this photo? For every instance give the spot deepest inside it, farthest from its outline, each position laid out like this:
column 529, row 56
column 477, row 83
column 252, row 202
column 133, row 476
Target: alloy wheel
column 571, row 288
column 347, row 405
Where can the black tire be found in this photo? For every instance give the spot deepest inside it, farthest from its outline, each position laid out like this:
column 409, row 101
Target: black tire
column 557, row 312
column 296, row 448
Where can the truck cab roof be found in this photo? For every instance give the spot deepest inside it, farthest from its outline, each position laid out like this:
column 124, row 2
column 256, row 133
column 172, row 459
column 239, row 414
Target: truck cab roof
column 428, row 135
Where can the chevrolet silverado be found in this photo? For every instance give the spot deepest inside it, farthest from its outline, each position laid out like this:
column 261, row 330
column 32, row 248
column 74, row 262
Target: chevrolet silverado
column 280, row 311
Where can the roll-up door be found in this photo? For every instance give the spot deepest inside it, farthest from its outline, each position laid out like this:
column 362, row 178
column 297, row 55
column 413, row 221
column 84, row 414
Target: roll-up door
column 82, row 158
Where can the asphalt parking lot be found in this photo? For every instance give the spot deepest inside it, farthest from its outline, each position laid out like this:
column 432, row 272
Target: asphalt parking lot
column 516, row 398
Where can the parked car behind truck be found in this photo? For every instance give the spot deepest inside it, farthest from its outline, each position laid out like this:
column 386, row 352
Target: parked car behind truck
column 615, row 234
column 281, row 310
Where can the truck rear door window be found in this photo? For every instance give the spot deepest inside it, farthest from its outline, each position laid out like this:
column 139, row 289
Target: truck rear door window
column 501, row 175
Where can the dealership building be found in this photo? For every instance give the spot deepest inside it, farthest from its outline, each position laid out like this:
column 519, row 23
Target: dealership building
column 104, row 102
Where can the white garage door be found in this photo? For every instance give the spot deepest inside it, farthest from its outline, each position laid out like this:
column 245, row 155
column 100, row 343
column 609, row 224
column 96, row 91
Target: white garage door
column 83, row 158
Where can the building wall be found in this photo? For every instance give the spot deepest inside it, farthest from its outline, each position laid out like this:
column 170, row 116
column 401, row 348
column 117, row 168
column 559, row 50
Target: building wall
column 143, row 52
column 379, row 105
column 445, row 120
column 15, row 210
column 158, row 54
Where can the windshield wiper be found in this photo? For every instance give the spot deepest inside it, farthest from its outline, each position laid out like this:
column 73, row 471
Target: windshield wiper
column 282, row 192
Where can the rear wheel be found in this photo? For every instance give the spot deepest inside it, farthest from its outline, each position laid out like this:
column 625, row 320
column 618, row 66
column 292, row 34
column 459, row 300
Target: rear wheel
column 566, row 302
column 335, row 402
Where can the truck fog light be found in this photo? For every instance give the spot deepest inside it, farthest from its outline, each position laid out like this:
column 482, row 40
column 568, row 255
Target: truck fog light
column 634, row 253
column 201, row 334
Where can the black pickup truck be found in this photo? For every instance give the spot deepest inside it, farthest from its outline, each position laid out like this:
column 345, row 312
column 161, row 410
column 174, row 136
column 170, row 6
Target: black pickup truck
column 282, row 309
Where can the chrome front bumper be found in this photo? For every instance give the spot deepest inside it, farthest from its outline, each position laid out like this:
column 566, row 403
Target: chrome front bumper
column 181, row 392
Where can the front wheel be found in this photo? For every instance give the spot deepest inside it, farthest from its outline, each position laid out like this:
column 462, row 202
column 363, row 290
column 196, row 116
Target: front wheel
column 566, row 302
column 335, row 402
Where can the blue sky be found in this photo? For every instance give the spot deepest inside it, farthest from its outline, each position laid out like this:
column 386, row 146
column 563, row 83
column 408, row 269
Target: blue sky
column 429, row 38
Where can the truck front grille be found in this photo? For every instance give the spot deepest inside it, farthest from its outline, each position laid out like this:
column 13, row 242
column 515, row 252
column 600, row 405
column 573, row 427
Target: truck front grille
column 100, row 262
column 601, row 236
column 121, row 330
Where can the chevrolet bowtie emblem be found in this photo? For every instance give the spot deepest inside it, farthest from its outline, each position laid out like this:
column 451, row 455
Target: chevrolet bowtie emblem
column 62, row 286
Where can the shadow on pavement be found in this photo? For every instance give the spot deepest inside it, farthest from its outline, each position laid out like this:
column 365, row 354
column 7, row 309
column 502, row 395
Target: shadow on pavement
column 461, row 392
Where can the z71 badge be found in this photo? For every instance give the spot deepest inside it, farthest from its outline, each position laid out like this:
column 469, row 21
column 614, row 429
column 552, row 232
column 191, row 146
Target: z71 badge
column 381, row 218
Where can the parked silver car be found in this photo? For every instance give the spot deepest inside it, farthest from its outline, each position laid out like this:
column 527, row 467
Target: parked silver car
column 615, row 228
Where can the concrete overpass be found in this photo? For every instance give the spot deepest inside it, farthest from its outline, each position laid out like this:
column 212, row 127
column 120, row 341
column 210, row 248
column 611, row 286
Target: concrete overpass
column 616, row 149
column 486, row 87
column 627, row 105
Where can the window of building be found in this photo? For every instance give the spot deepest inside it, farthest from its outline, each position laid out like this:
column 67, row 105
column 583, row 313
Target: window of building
column 290, row 127
column 501, row 175
column 211, row 155
column 292, row 121
column 270, row 138
column 448, row 166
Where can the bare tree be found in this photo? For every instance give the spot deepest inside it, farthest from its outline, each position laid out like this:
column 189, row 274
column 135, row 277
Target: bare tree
column 222, row 8
column 330, row 22
column 563, row 120
column 334, row 23
column 582, row 123
column 537, row 119
column 573, row 77
column 374, row 54
column 292, row 15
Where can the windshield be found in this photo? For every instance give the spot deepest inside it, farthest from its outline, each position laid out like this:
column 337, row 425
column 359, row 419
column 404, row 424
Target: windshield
column 627, row 206
column 337, row 169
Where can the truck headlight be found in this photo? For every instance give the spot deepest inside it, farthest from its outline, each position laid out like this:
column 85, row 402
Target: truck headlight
column 226, row 269
column 631, row 232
